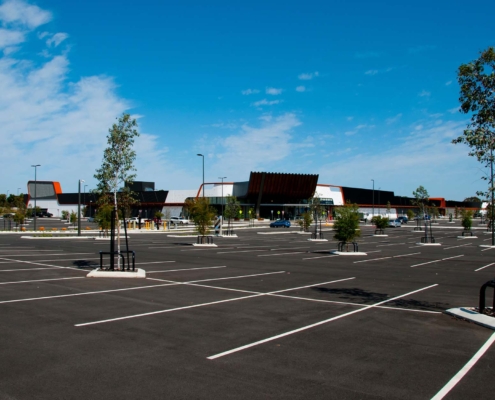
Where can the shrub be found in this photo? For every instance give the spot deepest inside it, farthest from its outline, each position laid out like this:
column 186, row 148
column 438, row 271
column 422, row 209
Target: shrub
column 380, row 223
column 467, row 219
column 347, row 223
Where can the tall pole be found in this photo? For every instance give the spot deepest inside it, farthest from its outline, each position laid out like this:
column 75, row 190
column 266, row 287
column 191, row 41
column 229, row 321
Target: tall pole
column 201, row 155
column 491, row 189
column 35, row 185
column 84, row 196
column 18, row 191
column 79, row 208
column 222, row 178
column 373, row 213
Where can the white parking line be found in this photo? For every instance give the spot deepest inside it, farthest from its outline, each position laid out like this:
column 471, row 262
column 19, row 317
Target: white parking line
column 279, row 254
column 239, row 251
column 434, row 261
column 44, row 265
column 84, row 293
column 26, row 269
column 373, row 259
column 313, row 258
column 486, row 266
column 37, row 255
column 391, row 244
column 464, row 370
column 453, row 247
column 183, row 269
column 199, row 305
column 247, row 346
column 42, row 280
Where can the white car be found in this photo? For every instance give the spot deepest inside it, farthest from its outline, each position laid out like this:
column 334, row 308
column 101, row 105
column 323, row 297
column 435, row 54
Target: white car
column 179, row 221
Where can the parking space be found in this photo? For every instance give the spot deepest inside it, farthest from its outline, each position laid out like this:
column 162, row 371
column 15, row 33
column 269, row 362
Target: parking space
column 267, row 315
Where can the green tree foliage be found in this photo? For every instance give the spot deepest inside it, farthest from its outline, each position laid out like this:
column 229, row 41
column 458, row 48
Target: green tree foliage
column 316, row 207
column 73, row 217
column 305, row 221
column 201, row 213
column 389, row 207
column 232, row 208
column 472, row 199
column 477, row 97
column 346, row 225
column 410, row 214
column 421, row 197
column 466, row 219
column 379, row 222
column 103, row 216
column 118, row 164
column 65, row 214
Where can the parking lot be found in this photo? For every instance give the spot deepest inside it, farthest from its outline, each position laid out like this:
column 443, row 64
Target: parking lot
column 268, row 314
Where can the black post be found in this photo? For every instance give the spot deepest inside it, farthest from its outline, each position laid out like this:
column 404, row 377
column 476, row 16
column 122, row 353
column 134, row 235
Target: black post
column 112, row 240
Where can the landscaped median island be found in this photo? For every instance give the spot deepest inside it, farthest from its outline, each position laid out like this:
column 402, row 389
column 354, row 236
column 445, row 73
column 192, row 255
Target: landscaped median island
column 346, row 227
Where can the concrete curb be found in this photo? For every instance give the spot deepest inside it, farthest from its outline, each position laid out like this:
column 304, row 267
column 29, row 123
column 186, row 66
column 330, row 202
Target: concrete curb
column 98, row 273
column 318, row 240
column 469, row 314
column 429, row 244
column 204, row 245
column 349, row 253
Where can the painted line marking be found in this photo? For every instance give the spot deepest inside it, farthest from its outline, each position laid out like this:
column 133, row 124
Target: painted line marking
column 384, row 258
column 247, row 346
column 83, row 293
column 280, row 254
column 240, row 251
column 486, row 266
column 42, row 280
column 461, row 245
column 200, row 305
column 490, row 248
column 44, row 265
column 313, row 258
column 391, row 244
column 37, row 255
column 184, row 269
column 373, row 259
column 355, row 304
column 464, row 370
column 26, row 269
column 434, row 261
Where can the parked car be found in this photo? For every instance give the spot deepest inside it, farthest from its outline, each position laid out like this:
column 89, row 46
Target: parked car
column 403, row 220
column 280, row 223
column 396, row 223
column 91, row 219
column 179, row 221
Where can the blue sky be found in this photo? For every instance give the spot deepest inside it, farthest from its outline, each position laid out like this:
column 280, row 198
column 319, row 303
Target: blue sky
column 352, row 91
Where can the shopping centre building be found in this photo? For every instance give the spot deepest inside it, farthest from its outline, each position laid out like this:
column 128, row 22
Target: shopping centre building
column 269, row 195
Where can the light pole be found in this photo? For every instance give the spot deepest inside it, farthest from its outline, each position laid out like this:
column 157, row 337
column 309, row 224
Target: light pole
column 84, row 196
column 222, row 178
column 90, row 207
column 8, row 193
column 35, row 184
column 373, row 213
column 79, row 208
column 18, row 191
column 379, row 204
column 201, row 155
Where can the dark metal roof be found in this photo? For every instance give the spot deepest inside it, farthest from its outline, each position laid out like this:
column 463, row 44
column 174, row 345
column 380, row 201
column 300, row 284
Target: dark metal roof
column 276, row 187
column 145, row 198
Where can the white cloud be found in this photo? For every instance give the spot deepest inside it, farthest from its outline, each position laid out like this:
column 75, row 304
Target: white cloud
column 426, row 157
column 273, row 91
column 424, row 93
column 265, row 102
column 10, row 38
column 301, row 88
column 392, row 120
column 308, row 76
column 18, row 12
column 56, row 39
column 249, row 91
column 256, row 148
column 371, row 72
column 454, row 110
column 448, row 83
column 350, row 118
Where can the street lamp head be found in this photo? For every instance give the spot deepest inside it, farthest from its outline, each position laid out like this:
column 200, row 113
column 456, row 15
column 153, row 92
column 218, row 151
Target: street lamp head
column 37, row 165
column 201, row 155
column 82, row 180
